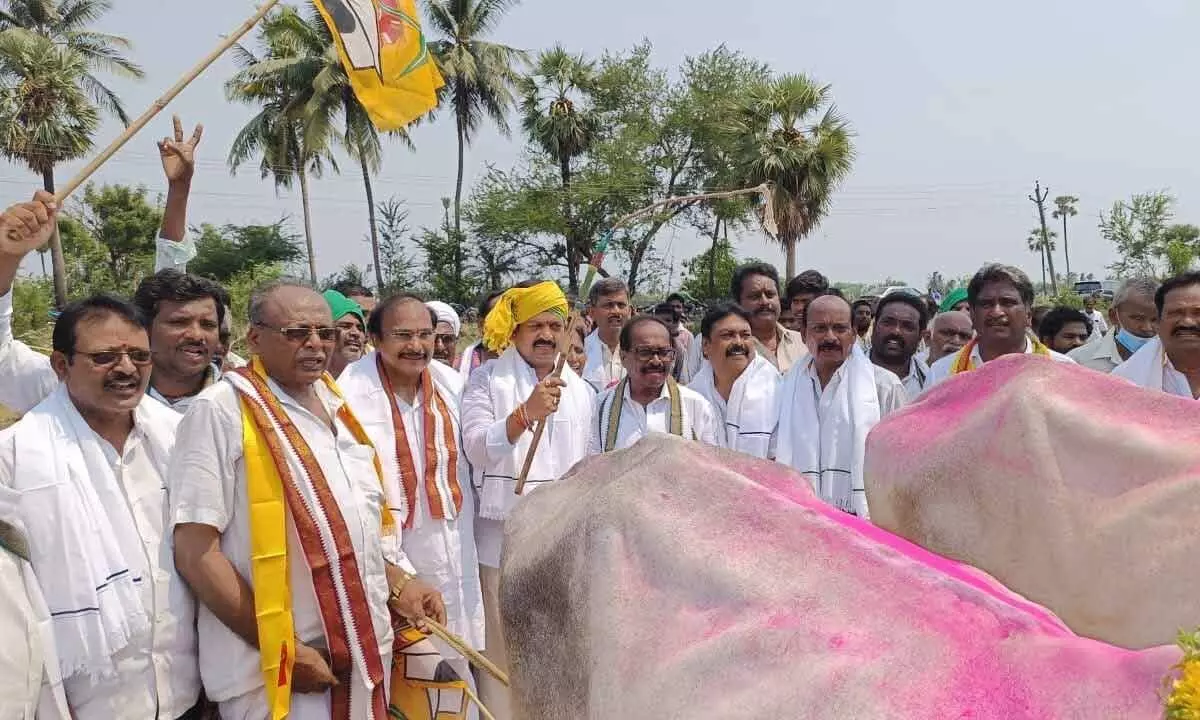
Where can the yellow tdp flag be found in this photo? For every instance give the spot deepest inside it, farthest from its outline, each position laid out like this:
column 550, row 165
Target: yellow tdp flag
column 424, row 686
column 384, row 52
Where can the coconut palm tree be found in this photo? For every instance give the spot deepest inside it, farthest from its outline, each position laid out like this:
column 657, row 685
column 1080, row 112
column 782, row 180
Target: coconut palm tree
column 276, row 134
column 556, row 116
column 788, row 132
column 1065, row 208
column 1044, row 246
column 480, row 75
column 49, row 74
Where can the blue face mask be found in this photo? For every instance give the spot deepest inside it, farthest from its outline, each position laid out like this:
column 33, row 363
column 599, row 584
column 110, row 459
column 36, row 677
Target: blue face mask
column 1129, row 341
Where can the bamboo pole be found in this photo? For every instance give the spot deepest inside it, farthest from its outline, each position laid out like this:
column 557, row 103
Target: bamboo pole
column 769, row 225
column 468, row 652
column 82, row 176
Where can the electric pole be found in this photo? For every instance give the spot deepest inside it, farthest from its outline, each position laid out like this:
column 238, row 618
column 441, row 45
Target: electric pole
column 1039, row 198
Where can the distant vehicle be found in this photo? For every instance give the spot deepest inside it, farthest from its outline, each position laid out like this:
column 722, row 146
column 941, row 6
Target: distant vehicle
column 1104, row 288
column 876, row 293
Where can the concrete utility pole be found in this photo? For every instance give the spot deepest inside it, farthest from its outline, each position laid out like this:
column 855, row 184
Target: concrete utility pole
column 1039, row 198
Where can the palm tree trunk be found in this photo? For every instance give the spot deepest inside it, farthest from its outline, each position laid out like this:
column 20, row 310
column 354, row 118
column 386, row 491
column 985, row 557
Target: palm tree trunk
column 712, row 261
column 573, row 242
column 1066, row 248
column 1043, row 254
column 789, row 244
column 374, row 225
column 1050, row 262
column 459, row 182
column 57, row 261
column 308, row 234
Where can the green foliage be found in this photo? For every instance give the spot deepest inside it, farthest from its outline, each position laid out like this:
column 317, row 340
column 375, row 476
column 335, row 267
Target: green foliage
column 240, row 288
column 1137, row 230
column 33, row 299
column 229, row 250
column 397, row 267
column 445, row 276
column 707, row 283
column 1180, row 248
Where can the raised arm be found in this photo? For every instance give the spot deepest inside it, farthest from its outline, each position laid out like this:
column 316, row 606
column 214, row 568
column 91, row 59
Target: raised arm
column 26, row 377
column 179, row 164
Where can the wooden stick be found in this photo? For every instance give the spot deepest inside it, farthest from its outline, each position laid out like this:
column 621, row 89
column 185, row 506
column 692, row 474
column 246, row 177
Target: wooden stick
column 479, row 703
column 468, row 652
column 82, row 176
column 768, row 224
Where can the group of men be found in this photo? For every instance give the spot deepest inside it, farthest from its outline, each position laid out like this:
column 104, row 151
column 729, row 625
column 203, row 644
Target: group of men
column 182, row 528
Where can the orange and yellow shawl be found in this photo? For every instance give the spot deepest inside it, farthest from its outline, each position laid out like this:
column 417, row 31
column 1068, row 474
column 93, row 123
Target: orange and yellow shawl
column 962, row 361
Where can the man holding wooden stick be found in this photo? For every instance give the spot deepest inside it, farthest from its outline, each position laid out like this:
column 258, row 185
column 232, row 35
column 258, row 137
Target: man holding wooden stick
column 502, row 402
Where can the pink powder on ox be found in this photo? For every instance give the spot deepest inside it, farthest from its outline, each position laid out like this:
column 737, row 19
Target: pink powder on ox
column 676, row 581
column 1077, row 490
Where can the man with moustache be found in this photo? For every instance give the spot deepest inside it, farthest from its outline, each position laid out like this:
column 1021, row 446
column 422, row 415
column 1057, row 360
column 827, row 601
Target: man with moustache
column 608, row 304
column 409, row 407
column 740, row 385
column 502, row 402
column 949, row 332
column 863, row 315
column 477, row 353
column 89, row 464
column 1001, row 300
column 446, row 331
column 1134, row 321
column 1064, row 329
column 282, row 530
column 1171, row 362
column 829, row 402
column 351, row 323
column 900, row 320
column 649, row 400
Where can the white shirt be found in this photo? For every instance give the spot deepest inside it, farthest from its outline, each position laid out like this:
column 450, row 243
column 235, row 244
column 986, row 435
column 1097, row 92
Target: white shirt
column 603, row 364
column 156, row 674
column 637, row 420
column 917, row 379
column 208, row 486
column 485, row 441
column 1099, row 324
column 888, row 388
column 22, row 653
column 1100, row 354
column 26, row 377
column 941, row 369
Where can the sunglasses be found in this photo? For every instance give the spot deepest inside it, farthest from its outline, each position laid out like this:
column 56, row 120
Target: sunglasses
column 299, row 335
column 108, row 358
column 645, row 354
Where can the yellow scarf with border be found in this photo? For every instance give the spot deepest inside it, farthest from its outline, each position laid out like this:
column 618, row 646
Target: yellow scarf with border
column 962, row 363
column 269, row 549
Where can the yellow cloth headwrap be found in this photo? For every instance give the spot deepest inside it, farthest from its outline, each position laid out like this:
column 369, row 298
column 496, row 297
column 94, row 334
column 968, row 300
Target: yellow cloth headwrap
column 518, row 305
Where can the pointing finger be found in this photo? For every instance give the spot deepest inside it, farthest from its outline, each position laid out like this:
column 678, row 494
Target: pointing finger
column 178, row 128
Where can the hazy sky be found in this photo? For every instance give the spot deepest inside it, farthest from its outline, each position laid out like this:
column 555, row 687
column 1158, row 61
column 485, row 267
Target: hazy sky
column 957, row 106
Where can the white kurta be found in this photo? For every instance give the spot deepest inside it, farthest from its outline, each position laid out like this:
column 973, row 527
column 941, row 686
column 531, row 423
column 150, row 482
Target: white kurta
column 1151, row 368
column 637, row 420
column 157, row 673
column 940, row 371
column 917, row 378
column 442, row 551
column 26, row 377
column 603, row 366
column 747, row 421
column 207, row 485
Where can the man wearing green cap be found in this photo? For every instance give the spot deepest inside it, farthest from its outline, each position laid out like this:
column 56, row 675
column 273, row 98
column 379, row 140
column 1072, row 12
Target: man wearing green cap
column 956, row 300
column 349, row 318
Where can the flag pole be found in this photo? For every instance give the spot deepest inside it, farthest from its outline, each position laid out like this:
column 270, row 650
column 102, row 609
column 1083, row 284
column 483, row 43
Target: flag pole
column 768, row 221
column 82, row 176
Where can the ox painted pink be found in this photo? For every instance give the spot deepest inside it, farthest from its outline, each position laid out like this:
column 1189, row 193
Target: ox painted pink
column 674, row 581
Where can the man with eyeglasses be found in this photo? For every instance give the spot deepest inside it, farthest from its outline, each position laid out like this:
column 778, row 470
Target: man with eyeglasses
column 503, row 401
column 1001, row 305
column 739, row 384
column 351, row 323
column 446, row 330
column 409, row 407
column 282, row 529
column 899, row 323
column 90, row 465
column 829, row 403
column 648, row 400
column 608, row 304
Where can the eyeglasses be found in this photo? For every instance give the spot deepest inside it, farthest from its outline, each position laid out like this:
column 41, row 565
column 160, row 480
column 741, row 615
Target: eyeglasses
column 108, row 358
column 302, row 334
column 447, row 339
column 407, row 336
column 646, row 354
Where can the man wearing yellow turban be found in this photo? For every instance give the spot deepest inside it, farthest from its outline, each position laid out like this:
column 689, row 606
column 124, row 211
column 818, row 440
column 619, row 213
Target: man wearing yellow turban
column 503, row 400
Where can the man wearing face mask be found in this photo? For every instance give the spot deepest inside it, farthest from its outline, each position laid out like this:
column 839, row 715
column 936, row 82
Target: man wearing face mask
column 1134, row 321
column 502, row 402
column 900, row 321
column 829, row 402
column 409, row 407
column 1171, row 362
column 648, row 400
column 1001, row 300
column 740, row 385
